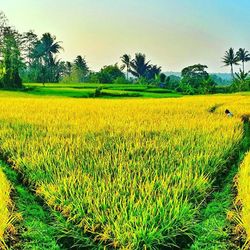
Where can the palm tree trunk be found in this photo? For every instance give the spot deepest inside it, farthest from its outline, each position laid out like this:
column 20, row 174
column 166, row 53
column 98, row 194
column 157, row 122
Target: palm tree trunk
column 127, row 73
column 232, row 71
column 243, row 66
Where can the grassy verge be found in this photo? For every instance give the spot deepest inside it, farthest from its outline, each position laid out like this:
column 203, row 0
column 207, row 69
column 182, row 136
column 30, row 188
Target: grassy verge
column 6, row 215
column 35, row 228
column 215, row 229
column 86, row 90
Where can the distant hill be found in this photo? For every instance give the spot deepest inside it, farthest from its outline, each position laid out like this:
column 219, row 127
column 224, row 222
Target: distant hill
column 169, row 73
column 222, row 79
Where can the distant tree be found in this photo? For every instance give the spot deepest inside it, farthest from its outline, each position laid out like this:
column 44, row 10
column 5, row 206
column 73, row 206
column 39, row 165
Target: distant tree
column 153, row 71
column 194, row 74
column 68, row 68
column 10, row 55
column 47, row 47
column 230, row 59
column 243, row 56
column 81, row 64
column 80, row 67
column 126, row 63
column 173, row 81
column 163, row 78
column 196, row 79
column 241, row 81
column 29, row 42
column 139, row 66
column 207, row 86
column 110, row 73
column 43, row 55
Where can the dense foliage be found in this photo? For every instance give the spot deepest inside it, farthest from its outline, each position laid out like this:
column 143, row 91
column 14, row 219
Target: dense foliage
column 10, row 55
column 26, row 57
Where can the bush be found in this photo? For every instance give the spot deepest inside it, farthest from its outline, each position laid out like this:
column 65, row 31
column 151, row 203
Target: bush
column 98, row 92
column 120, row 80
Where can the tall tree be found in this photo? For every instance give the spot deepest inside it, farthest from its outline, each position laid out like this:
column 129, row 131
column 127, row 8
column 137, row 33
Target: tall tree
column 10, row 55
column 243, row 56
column 11, row 60
column 126, row 62
column 230, row 59
column 153, row 71
column 80, row 68
column 30, row 40
column 241, row 81
column 44, row 52
column 195, row 79
column 139, row 66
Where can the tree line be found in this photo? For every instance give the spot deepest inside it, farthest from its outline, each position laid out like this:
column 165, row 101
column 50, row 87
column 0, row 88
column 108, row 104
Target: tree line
column 241, row 79
column 28, row 58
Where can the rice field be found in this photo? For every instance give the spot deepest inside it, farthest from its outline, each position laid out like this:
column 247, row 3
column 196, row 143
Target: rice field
column 130, row 173
column 5, row 209
column 244, row 198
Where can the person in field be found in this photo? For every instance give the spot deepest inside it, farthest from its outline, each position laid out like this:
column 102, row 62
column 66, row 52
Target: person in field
column 228, row 113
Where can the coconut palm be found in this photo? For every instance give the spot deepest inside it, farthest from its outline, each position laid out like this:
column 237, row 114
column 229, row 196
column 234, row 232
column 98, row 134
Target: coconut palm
column 47, row 47
column 242, row 76
column 138, row 66
column 81, row 64
column 243, row 56
column 241, row 81
column 81, row 68
column 126, row 62
column 230, row 59
column 44, row 52
column 153, row 71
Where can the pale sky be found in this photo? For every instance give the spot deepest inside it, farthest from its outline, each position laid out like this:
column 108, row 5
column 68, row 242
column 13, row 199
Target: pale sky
column 172, row 33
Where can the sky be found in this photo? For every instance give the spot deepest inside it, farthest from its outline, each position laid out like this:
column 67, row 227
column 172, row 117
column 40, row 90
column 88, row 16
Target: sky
column 172, row 33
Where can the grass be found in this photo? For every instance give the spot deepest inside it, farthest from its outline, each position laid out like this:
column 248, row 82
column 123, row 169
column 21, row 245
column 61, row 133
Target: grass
column 87, row 90
column 34, row 227
column 213, row 231
column 215, row 228
column 6, row 215
column 242, row 214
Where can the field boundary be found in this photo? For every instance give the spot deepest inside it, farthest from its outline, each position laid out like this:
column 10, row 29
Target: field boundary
column 215, row 228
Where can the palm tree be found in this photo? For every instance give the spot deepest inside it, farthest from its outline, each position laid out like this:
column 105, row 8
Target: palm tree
column 230, row 59
column 241, row 81
column 81, row 67
column 153, row 71
column 81, row 64
column 47, row 47
column 126, row 62
column 44, row 52
column 138, row 66
column 243, row 56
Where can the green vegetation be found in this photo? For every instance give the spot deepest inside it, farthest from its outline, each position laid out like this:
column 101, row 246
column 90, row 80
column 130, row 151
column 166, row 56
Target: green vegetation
column 196, row 80
column 34, row 227
column 129, row 173
column 28, row 58
column 241, row 80
column 87, row 90
column 121, row 178
column 215, row 229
